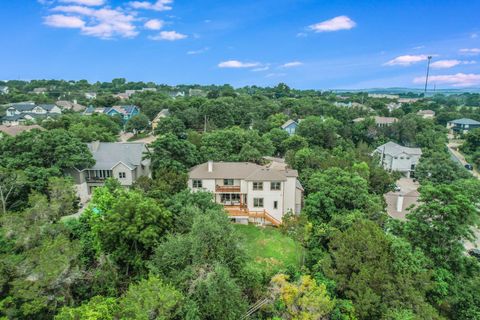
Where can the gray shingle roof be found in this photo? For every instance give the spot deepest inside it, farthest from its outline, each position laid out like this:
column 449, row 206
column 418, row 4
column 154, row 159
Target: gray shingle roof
column 289, row 122
column 394, row 149
column 108, row 154
column 240, row 170
column 464, row 121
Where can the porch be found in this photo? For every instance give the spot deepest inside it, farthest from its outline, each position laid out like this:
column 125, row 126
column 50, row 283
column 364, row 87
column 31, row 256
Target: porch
column 259, row 217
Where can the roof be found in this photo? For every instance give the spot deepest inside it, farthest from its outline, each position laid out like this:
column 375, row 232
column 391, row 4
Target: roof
column 16, row 130
column 47, row 107
column 394, row 149
column 108, row 154
column 288, row 123
column 465, row 121
column 240, row 170
column 70, row 105
column 426, row 112
column 122, row 109
column 22, row 107
column 379, row 120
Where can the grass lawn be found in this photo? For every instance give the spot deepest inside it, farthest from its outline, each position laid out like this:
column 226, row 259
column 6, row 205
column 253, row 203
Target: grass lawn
column 269, row 248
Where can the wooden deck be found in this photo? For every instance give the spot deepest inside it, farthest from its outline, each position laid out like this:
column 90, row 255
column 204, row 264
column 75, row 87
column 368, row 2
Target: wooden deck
column 242, row 211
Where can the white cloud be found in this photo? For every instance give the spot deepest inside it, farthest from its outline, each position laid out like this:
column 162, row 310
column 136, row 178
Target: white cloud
column 103, row 23
column 292, row 64
column 261, row 69
column 470, row 51
column 86, row 2
column 159, row 5
column 168, row 36
column 335, row 24
column 200, row 51
column 445, row 64
column 275, row 75
column 62, row 21
column 154, row 24
column 237, row 64
column 406, row 60
column 455, row 80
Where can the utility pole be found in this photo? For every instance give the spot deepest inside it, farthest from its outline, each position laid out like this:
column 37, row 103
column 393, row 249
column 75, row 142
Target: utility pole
column 426, row 78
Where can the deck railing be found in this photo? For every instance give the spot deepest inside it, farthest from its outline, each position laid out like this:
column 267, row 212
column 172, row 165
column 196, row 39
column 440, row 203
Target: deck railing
column 242, row 211
column 227, row 188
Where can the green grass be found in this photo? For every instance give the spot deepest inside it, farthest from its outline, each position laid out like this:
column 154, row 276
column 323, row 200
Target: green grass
column 269, row 249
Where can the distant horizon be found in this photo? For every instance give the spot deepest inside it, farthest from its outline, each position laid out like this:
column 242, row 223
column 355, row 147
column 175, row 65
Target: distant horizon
column 341, row 44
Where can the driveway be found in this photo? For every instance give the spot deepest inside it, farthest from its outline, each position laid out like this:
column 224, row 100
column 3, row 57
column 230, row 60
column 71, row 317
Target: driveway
column 459, row 158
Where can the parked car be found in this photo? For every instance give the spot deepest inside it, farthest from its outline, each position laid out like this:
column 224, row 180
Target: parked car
column 474, row 253
column 468, row 166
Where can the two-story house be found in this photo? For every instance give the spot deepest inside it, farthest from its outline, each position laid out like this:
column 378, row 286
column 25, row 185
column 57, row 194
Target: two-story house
column 126, row 112
column 248, row 191
column 462, row 125
column 395, row 157
column 20, row 113
column 379, row 121
column 123, row 161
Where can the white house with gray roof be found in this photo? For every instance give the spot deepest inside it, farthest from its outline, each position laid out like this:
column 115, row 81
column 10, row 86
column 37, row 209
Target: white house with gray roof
column 248, row 191
column 20, row 113
column 123, row 161
column 395, row 157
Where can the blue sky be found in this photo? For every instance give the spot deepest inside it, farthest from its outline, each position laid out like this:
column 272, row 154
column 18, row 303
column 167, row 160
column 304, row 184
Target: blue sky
column 305, row 43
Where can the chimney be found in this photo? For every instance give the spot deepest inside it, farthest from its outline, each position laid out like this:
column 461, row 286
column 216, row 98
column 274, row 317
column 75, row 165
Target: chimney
column 400, row 203
column 210, row 165
column 95, row 145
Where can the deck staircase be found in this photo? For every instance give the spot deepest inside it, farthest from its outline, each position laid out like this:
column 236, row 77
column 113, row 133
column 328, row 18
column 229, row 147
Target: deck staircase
column 242, row 211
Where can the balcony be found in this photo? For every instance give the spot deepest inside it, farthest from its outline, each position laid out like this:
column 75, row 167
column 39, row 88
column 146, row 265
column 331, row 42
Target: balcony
column 227, row 189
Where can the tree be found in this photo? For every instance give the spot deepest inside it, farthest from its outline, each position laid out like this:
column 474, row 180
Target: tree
column 171, row 152
column 172, row 125
column 137, row 123
column 303, row 301
column 128, row 226
column 438, row 167
column 97, row 308
column 320, row 132
column 278, row 137
column 151, row 299
column 10, row 183
column 443, row 220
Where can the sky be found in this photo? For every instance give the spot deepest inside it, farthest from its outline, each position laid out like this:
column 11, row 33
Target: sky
column 308, row 44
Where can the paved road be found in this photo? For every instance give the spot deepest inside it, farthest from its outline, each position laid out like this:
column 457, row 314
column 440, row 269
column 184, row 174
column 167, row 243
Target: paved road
column 459, row 158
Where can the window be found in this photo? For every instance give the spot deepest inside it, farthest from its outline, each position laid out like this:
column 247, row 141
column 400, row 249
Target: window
column 122, row 175
column 275, row 204
column 257, row 202
column 197, row 183
column 275, row 185
column 228, row 182
column 258, row 186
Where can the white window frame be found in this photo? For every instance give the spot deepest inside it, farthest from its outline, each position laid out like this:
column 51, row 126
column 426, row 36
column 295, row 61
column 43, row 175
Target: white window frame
column 197, row 183
column 276, row 183
column 257, row 186
column 122, row 175
column 258, row 202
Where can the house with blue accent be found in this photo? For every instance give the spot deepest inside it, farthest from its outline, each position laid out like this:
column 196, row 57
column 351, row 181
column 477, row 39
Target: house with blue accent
column 290, row 126
column 126, row 112
column 463, row 125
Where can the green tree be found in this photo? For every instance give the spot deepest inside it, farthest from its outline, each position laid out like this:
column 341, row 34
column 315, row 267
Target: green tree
column 137, row 123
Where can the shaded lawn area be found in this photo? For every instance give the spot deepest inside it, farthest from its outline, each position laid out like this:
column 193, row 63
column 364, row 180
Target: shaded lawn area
column 269, row 249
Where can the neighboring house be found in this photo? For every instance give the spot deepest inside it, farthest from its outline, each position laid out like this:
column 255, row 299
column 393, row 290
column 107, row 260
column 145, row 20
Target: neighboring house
column 250, row 192
column 176, row 94
column 90, row 95
column 290, row 126
column 126, row 112
column 4, row 90
column 162, row 114
column 40, row 90
column 91, row 110
column 409, row 100
column 462, row 125
column 126, row 95
column 123, row 161
column 16, row 130
column 393, row 106
column 149, row 90
column 380, row 121
column 21, row 113
column 197, row 93
column 72, row 106
column 426, row 114
column 395, row 157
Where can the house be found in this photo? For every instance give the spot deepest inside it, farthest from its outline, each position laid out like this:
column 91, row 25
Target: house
column 176, row 94
column 16, row 130
column 250, row 192
column 21, row 113
column 393, row 106
column 197, row 93
column 40, row 90
column 91, row 110
column 72, row 106
column 125, row 95
column 383, row 96
column 394, row 157
column 380, row 121
column 290, row 126
column 162, row 114
column 462, row 125
column 126, row 112
column 426, row 114
column 400, row 201
column 4, row 90
column 90, row 95
column 123, row 161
